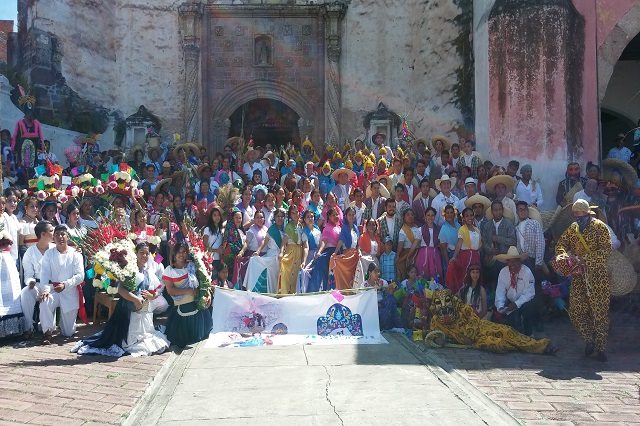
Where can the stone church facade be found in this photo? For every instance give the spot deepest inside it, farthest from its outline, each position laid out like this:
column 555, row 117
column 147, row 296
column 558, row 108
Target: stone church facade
column 528, row 79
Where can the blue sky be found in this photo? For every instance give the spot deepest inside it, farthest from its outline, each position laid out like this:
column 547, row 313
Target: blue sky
column 9, row 10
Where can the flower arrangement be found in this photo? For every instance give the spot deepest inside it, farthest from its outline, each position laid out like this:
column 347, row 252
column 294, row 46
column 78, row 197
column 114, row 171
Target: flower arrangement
column 113, row 254
column 202, row 261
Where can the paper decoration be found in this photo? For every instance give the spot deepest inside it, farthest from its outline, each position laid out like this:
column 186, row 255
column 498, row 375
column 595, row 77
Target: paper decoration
column 40, row 185
column 158, row 258
column 40, row 170
column 66, row 180
column 91, row 273
column 337, row 295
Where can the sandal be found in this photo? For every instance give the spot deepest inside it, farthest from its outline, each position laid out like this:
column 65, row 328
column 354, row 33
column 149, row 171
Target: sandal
column 46, row 339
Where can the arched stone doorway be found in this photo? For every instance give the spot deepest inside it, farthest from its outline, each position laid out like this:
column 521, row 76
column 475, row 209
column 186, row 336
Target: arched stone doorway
column 618, row 82
column 266, row 121
column 620, row 107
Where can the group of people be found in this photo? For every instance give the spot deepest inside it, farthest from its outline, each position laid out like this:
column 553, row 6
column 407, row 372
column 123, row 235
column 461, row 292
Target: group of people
column 432, row 214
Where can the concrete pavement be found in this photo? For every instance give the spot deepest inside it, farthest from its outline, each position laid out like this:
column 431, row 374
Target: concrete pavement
column 313, row 385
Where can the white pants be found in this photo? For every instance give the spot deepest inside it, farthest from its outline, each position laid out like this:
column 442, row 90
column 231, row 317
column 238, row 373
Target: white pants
column 28, row 302
column 47, row 316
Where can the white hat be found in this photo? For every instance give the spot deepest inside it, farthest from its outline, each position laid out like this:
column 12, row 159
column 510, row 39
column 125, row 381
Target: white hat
column 469, row 180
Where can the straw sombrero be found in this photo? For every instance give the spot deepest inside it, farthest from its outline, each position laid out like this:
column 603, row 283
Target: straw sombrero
column 191, row 149
column 535, row 214
column 387, row 181
column 506, row 180
column 337, row 172
column 423, row 140
column 512, row 253
column 432, row 194
column 201, row 168
column 162, row 183
column 477, row 199
column 443, row 179
column 446, row 143
column 383, row 191
column 506, row 212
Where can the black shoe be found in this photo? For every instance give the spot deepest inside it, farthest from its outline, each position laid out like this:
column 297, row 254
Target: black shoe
column 588, row 350
column 602, row 357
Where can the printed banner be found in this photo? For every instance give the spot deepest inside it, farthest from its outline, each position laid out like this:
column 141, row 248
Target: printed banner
column 321, row 317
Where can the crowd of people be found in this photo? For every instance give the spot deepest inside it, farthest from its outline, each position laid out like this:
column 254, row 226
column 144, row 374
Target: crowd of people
column 429, row 215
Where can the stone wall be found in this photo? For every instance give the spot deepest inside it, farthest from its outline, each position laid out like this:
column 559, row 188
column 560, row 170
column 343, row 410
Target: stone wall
column 402, row 53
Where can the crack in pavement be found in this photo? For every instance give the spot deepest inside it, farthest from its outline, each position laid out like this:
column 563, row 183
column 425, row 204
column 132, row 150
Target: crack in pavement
column 305, row 354
column 326, row 395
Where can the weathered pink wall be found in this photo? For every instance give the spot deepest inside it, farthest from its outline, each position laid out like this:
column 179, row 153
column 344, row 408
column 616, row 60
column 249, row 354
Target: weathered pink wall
column 609, row 13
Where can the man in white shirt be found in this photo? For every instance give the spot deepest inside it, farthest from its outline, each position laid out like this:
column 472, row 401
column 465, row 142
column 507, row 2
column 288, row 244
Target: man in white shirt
column 61, row 273
column 470, row 189
column 252, row 163
column 362, row 211
column 515, row 292
column 590, row 189
column 31, row 272
column 342, row 189
column 527, row 189
column 620, row 151
column 445, row 197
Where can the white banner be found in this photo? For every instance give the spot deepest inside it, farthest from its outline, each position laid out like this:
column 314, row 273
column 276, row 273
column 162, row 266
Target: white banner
column 321, row 317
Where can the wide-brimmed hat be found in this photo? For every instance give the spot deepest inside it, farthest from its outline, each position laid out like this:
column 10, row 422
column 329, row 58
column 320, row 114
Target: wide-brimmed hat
column 202, row 167
column 423, row 140
column 350, row 173
column 446, row 143
column 506, row 212
column 534, row 214
column 387, row 181
column 432, row 194
column 506, row 180
column 373, row 138
column 512, row 253
column 235, row 142
column 178, row 174
column 252, row 151
column 383, row 191
column 191, row 149
column 477, row 199
column 266, row 156
column 162, row 183
column 445, row 178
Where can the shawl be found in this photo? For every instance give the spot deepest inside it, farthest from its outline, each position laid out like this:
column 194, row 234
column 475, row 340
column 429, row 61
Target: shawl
column 331, row 234
column 426, row 235
column 274, row 233
column 310, row 239
column 409, row 233
column 449, row 233
column 291, row 230
column 259, row 232
column 466, row 238
column 365, row 243
column 345, row 234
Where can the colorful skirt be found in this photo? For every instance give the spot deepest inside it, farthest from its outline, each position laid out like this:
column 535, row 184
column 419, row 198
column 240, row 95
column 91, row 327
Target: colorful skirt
column 305, row 273
column 457, row 271
column 320, row 275
column 262, row 274
column 345, row 268
column 290, row 269
column 429, row 262
column 240, row 265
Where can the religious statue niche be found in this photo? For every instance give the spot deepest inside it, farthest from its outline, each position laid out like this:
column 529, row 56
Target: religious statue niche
column 263, row 50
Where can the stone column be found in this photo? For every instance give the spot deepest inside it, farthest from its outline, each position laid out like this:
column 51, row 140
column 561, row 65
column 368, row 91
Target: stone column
column 334, row 12
column 190, row 26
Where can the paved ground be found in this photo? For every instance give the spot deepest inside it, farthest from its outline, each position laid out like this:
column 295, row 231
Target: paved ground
column 313, row 385
column 566, row 389
column 50, row 386
column 382, row 384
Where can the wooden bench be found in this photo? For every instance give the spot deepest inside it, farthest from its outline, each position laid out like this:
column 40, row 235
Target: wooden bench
column 105, row 300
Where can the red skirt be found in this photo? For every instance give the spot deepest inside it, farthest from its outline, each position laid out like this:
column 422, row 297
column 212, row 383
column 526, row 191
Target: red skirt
column 457, row 271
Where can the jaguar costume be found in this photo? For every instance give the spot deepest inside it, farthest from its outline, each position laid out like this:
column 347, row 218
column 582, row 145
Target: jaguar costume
column 460, row 323
column 589, row 294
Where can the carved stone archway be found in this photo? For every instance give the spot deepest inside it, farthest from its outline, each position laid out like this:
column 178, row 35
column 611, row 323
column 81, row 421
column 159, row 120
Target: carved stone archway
column 611, row 49
column 253, row 90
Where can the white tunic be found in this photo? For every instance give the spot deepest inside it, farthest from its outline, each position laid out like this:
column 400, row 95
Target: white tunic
column 65, row 268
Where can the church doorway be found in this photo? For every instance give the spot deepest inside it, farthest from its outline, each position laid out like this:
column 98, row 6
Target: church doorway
column 620, row 109
column 267, row 121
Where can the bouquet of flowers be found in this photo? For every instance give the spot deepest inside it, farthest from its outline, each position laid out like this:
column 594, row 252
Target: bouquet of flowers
column 113, row 255
column 202, row 261
column 5, row 238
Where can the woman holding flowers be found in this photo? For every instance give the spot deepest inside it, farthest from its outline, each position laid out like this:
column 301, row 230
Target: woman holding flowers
column 291, row 253
column 130, row 328
column 185, row 324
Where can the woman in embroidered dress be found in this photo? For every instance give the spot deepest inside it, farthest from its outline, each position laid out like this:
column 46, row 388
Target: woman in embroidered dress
column 310, row 237
column 255, row 236
column 140, row 228
column 409, row 241
column 185, row 324
column 345, row 265
column 429, row 259
column 11, row 317
column 130, row 328
column 290, row 253
column 328, row 242
column 331, row 202
column 233, row 240
column 212, row 237
column 262, row 271
column 370, row 245
column 448, row 235
column 467, row 251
